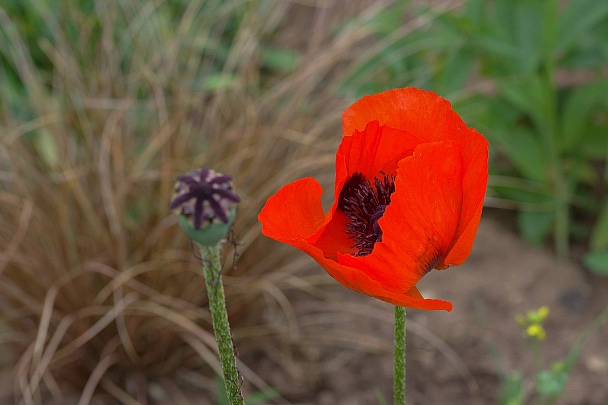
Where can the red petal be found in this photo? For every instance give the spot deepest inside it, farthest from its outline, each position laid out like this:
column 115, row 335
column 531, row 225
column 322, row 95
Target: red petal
column 358, row 280
column 474, row 189
column 294, row 213
column 431, row 118
column 332, row 237
column 369, row 152
column 420, row 112
column 463, row 242
column 421, row 220
column 433, row 215
column 374, row 149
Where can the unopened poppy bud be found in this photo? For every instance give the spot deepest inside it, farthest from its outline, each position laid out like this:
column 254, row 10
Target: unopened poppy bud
column 205, row 205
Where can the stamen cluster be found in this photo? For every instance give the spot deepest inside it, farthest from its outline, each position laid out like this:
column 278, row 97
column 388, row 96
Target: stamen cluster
column 363, row 205
column 205, row 196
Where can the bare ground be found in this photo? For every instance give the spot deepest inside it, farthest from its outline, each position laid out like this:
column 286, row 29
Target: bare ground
column 339, row 351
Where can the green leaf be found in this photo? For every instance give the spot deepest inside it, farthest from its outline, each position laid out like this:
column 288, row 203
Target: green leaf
column 590, row 52
column 552, row 382
column 475, row 11
column 47, row 148
column 497, row 46
column 261, row 397
column 599, row 236
column 530, row 198
column 577, row 112
column 578, row 17
column 388, row 19
column 457, row 70
column 535, row 226
column 221, row 396
column 379, row 397
column 597, row 262
column 512, row 390
column 502, row 21
column 529, row 27
column 256, row 398
column 525, row 150
column 533, row 96
column 279, row 60
column 219, row 81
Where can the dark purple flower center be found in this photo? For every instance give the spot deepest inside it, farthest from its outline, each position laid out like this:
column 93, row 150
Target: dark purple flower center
column 363, row 205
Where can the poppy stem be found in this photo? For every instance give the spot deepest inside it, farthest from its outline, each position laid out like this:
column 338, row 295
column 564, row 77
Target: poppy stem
column 399, row 373
column 217, row 305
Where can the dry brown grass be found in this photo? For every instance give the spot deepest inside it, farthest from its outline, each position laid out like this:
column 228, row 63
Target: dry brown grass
column 100, row 296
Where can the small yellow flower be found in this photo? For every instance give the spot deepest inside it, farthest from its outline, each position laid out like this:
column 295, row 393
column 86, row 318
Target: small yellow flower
column 536, row 331
column 532, row 322
column 539, row 315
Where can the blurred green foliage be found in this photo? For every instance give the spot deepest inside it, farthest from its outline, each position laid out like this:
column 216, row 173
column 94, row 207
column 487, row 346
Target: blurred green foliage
column 34, row 26
column 531, row 76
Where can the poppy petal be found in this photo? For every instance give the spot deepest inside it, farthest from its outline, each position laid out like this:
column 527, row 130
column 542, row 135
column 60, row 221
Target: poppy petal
column 441, row 174
column 423, row 113
column 413, row 299
column 474, row 188
column 413, row 109
column 332, row 238
column 464, row 244
column 294, row 212
column 374, row 149
column 419, row 224
column 359, row 281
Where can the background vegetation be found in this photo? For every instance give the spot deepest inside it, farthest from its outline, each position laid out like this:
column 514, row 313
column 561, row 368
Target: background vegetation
column 102, row 104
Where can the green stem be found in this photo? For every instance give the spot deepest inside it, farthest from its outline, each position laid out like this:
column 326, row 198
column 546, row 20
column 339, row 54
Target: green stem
column 562, row 222
column 399, row 373
column 217, row 305
column 537, row 368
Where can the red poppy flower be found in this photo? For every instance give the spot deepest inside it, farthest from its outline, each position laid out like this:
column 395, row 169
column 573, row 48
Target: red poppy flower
column 410, row 183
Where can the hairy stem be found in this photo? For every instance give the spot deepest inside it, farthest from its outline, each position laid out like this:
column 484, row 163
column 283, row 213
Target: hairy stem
column 399, row 373
column 217, row 305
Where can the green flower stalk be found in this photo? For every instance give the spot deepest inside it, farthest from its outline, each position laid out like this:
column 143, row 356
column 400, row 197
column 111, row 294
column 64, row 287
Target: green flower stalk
column 206, row 206
column 399, row 355
column 221, row 327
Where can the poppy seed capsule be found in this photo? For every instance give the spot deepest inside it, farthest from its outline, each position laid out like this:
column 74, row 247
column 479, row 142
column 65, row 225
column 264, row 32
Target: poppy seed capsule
column 205, row 205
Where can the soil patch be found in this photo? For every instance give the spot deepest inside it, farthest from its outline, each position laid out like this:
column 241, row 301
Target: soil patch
column 339, row 350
